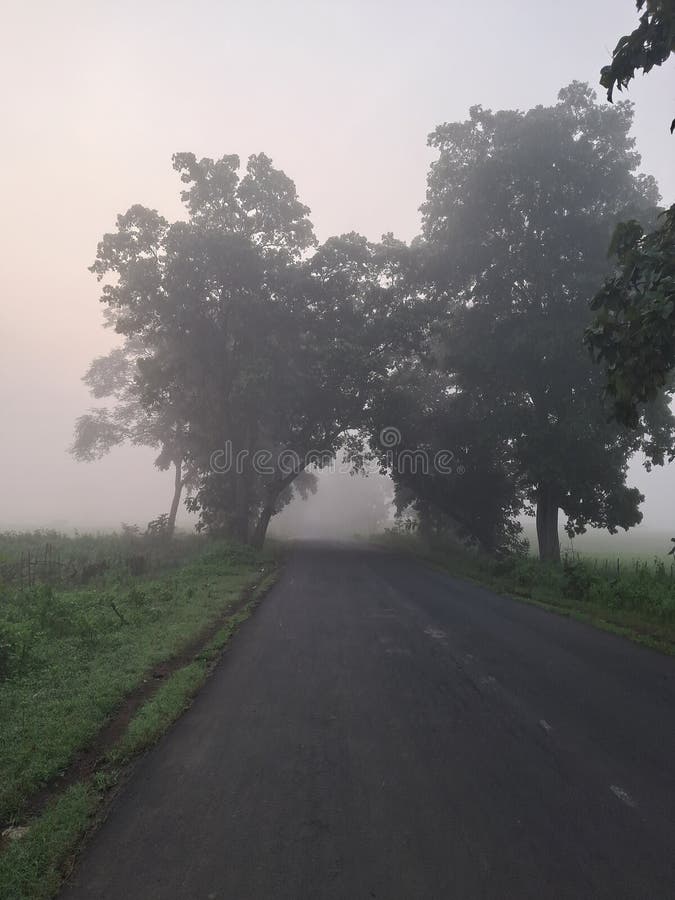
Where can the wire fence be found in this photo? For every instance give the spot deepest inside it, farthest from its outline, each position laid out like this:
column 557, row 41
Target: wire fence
column 49, row 565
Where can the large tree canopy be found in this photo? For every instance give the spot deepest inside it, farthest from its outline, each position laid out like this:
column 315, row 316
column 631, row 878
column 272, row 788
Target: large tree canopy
column 263, row 351
column 519, row 212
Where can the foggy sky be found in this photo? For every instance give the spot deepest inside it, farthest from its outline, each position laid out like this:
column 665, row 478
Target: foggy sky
column 97, row 96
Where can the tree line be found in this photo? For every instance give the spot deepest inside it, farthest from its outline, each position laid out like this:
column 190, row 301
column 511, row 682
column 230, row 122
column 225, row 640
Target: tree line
column 245, row 340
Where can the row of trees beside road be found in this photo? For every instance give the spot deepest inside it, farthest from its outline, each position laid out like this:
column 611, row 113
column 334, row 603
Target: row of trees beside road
column 240, row 331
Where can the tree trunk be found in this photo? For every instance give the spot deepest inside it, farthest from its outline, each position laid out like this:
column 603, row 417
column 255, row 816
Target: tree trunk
column 240, row 526
column 258, row 538
column 177, row 490
column 547, row 524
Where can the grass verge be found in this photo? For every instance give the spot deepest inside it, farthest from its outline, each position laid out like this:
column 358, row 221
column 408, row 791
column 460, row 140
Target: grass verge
column 175, row 695
column 69, row 658
column 30, row 866
column 35, row 862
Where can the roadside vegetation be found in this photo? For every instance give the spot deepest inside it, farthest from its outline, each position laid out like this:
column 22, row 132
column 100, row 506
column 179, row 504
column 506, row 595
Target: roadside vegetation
column 46, row 556
column 74, row 647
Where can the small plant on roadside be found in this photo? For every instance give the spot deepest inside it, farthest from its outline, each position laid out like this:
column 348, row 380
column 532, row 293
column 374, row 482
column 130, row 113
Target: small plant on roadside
column 577, row 579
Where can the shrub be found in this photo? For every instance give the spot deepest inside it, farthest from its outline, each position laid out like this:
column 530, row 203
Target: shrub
column 506, row 565
column 577, row 580
column 48, row 610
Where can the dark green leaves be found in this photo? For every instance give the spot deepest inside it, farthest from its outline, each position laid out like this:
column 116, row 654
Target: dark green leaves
column 649, row 45
column 633, row 334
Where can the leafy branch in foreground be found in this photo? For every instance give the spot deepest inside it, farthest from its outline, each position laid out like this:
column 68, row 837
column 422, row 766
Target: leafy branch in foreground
column 633, row 334
column 649, row 45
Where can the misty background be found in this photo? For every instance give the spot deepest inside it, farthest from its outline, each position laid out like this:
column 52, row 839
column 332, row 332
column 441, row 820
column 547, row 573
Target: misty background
column 96, row 99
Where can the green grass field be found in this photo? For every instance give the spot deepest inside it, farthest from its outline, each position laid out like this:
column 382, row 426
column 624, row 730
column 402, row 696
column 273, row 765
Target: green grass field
column 70, row 653
column 84, row 620
column 637, row 544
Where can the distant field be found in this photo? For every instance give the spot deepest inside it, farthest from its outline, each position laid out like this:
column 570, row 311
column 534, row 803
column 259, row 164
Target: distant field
column 45, row 556
column 635, row 544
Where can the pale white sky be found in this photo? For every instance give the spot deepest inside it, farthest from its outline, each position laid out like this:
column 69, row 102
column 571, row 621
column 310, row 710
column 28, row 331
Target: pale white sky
column 95, row 97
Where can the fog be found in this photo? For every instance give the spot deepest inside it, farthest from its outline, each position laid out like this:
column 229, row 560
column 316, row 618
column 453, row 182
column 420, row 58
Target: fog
column 344, row 506
column 96, row 99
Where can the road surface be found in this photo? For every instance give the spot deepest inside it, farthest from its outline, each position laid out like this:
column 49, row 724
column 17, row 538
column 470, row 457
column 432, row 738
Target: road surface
column 381, row 730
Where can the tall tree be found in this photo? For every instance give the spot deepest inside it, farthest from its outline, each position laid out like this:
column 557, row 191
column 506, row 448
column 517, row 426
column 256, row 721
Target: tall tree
column 519, row 211
column 259, row 348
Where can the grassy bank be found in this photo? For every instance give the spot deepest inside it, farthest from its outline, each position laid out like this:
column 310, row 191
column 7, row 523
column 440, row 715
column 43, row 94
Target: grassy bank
column 34, row 863
column 633, row 598
column 69, row 655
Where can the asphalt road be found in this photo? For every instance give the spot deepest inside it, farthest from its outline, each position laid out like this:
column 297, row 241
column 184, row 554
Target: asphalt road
column 380, row 730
